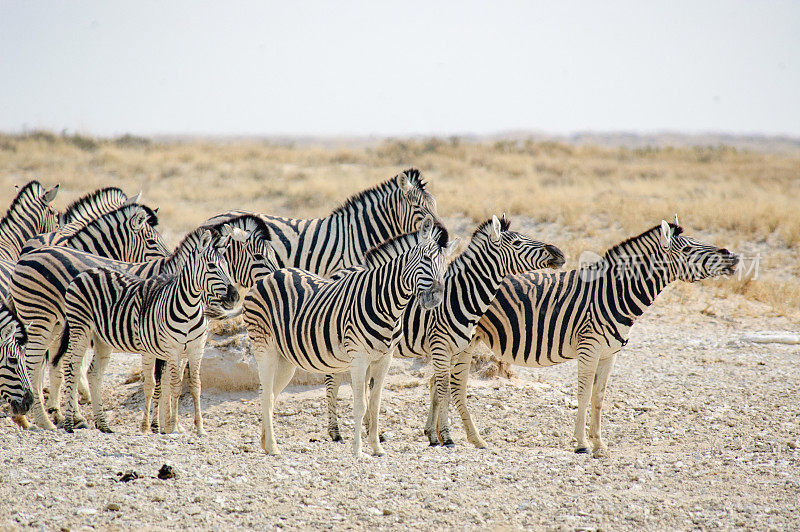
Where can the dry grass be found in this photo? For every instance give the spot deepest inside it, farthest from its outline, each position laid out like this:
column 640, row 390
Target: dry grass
column 594, row 196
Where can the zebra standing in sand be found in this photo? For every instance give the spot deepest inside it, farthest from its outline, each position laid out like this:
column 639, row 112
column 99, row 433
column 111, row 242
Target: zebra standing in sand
column 15, row 385
column 341, row 239
column 41, row 276
column 163, row 316
column 298, row 319
column 470, row 283
column 30, row 214
column 541, row 319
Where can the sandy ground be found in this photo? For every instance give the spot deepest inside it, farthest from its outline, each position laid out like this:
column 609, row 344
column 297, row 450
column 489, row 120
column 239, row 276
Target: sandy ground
column 703, row 430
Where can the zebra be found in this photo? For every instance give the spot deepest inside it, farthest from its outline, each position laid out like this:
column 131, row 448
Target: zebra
column 30, row 214
column 470, row 283
column 41, row 275
column 541, row 319
column 298, row 319
column 81, row 212
column 340, row 240
column 163, row 316
column 15, row 385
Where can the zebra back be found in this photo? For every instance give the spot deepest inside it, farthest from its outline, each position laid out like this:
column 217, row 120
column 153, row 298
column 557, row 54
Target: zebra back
column 342, row 239
column 30, row 214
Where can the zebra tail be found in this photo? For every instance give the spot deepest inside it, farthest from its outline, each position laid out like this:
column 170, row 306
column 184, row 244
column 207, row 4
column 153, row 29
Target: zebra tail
column 63, row 346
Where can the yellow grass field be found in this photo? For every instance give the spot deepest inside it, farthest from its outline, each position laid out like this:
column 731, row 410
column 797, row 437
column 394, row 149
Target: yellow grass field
column 587, row 197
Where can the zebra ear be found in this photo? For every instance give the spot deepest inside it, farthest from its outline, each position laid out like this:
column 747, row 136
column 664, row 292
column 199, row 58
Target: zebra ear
column 677, row 224
column 666, row 234
column 406, row 185
column 452, row 246
column 50, row 195
column 240, row 235
column 139, row 220
column 426, row 228
column 205, row 241
column 496, row 229
column 7, row 333
column 134, row 200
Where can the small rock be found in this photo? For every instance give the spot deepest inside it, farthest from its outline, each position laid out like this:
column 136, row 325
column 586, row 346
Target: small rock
column 794, row 445
column 387, row 511
column 112, row 507
column 128, row 475
column 166, row 472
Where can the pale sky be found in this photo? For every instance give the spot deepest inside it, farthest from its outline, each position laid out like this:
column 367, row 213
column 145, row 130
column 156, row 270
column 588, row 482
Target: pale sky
column 361, row 68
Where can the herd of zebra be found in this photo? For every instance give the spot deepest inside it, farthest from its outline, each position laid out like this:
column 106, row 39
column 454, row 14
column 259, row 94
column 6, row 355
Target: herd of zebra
column 343, row 293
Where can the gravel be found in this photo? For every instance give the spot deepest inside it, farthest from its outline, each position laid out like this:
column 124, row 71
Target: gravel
column 702, row 427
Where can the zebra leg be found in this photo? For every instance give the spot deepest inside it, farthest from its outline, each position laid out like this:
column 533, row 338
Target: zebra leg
column 332, row 384
column 267, row 359
column 358, row 377
column 176, row 368
column 78, row 342
column 604, row 368
column 54, row 387
column 195, row 359
column 587, row 365
column 39, row 339
column 102, row 354
column 458, row 385
column 430, row 422
column 148, row 385
column 370, row 385
column 441, row 365
column 378, row 371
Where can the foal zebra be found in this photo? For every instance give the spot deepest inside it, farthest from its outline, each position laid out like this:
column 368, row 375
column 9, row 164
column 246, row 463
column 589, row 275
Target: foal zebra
column 163, row 317
column 40, row 278
column 30, row 214
column 443, row 333
column 341, row 239
column 15, row 386
column 298, row 319
column 541, row 319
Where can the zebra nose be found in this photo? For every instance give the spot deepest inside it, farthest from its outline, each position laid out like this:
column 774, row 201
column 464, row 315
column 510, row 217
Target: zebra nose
column 556, row 256
column 27, row 400
column 232, row 296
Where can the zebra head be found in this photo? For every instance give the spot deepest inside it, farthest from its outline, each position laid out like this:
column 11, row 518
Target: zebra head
column 15, row 385
column 219, row 293
column 691, row 260
column 427, row 271
column 250, row 255
column 516, row 252
column 416, row 203
column 144, row 242
column 50, row 221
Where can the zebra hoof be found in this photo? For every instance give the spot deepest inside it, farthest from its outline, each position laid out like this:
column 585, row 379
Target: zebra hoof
column 105, row 429
column 337, row 438
column 449, row 444
column 582, row 450
column 81, row 424
column 433, row 444
column 381, row 438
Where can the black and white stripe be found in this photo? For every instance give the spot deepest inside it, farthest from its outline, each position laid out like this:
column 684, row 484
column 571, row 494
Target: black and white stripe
column 470, row 283
column 163, row 316
column 15, row 386
column 540, row 319
column 341, row 239
column 30, row 214
column 298, row 319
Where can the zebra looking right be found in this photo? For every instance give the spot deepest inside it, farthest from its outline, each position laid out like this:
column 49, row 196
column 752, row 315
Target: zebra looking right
column 163, row 316
column 340, row 240
column 297, row 319
column 541, row 319
column 30, row 214
column 471, row 281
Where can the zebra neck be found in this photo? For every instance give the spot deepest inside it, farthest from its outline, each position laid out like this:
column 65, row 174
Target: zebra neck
column 393, row 286
column 15, row 230
column 479, row 275
column 367, row 224
column 632, row 286
column 108, row 241
column 190, row 285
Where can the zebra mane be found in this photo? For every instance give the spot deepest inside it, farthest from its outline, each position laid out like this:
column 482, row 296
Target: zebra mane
column 414, row 175
column 400, row 244
column 33, row 188
column 259, row 222
column 504, row 225
column 621, row 248
column 152, row 219
column 81, row 203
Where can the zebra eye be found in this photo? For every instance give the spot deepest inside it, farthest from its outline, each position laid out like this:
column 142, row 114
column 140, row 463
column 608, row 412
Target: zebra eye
column 212, row 266
column 12, row 360
column 259, row 257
